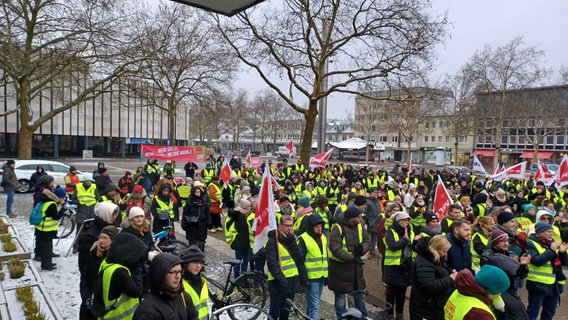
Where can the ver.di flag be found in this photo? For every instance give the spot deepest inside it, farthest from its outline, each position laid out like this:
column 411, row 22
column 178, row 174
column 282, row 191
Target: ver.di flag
column 320, row 160
column 561, row 177
column 290, row 147
column 248, row 160
column 442, row 200
column 265, row 216
column 543, row 175
column 225, row 173
column 478, row 167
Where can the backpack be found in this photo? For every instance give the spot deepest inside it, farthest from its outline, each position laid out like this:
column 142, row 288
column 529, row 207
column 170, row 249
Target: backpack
column 36, row 217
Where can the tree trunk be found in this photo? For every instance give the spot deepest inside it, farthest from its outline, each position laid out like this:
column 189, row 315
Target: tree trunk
column 306, row 147
column 25, row 138
column 456, row 153
column 172, row 122
column 26, row 132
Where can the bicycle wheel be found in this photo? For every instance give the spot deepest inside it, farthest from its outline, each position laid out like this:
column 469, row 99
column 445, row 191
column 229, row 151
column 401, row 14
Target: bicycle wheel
column 248, row 289
column 173, row 246
column 66, row 226
column 215, row 295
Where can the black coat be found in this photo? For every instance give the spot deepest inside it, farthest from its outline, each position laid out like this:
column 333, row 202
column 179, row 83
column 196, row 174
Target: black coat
column 281, row 284
column 459, row 255
column 431, row 284
column 242, row 241
column 197, row 207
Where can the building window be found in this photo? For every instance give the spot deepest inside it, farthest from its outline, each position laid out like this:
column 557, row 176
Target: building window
column 433, row 139
column 447, row 139
column 425, row 138
column 394, row 139
column 439, row 139
column 560, row 140
column 427, row 124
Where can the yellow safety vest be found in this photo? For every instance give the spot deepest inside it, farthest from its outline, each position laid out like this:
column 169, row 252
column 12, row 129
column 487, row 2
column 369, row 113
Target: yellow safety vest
column 122, row 307
column 298, row 222
column 207, row 175
column 459, row 305
column 166, row 206
column 86, row 197
column 316, row 258
column 476, row 258
column 218, row 193
column 298, row 190
column 199, row 301
column 230, row 231
column 184, row 191
column 287, row 264
column 47, row 223
column 394, row 258
column 542, row 274
column 344, row 245
column 333, row 198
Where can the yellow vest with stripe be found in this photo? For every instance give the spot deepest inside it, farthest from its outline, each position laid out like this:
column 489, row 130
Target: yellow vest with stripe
column 166, row 206
column 333, row 199
column 86, row 197
column 394, row 258
column 481, row 207
column 316, row 258
column 344, row 244
column 323, row 215
column 122, row 307
column 230, row 231
column 47, row 224
column 184, row 191
column 459, row 305
column 542, row 274
column 476, row 258
column 298, row 222
column 199, row 301
column 287, row 264
column 218, row 192
column 298, row 190
column 207, row 175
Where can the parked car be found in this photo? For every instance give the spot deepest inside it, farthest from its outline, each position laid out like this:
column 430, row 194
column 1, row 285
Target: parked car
column 552, row 167
column 25, row 168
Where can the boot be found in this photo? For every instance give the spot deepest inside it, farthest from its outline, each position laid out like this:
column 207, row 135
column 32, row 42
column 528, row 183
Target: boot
column 399, row 316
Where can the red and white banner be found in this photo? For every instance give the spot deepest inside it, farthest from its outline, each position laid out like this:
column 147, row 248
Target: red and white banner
column 478, row 167
column 252, row 161
column 290, row 147
column 173, row 153
column 265, row 216
column 543, row 175
column 561, row 177
column 516, row 172
column 248, row 160
column 320, row 160
column 409, row 167
column 442, row 200
column 225, row 173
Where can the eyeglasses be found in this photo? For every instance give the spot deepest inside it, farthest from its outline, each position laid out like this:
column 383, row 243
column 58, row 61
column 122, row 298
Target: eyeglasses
column 175, row 273
column 288, row 225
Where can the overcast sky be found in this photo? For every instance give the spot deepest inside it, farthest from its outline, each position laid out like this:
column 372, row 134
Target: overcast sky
column 475, row 23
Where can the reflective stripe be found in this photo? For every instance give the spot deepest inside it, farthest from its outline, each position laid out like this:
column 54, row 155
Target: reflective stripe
column 287, row 264
column 316, row 258
column 200, row 301
column 344, row 245
column 124, row 306
column 476, row 258
column 541, row 274
column 48, row 224
column 394, row 258
column 168, row 207
column 458, row 306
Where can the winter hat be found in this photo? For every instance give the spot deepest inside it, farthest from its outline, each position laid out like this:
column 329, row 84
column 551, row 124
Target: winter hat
column 44, row 181
column 411, row 186
column 284, row 198
column 401, row 215
column 243, row 203
column 542, row 227
column 60, row 192
column 72, row 168
column 464, row 198
column 429, row 216
column 543, row 212
column 10, row 162
column 127, row 173
column 360, row 200
column 395, row 205
column 110, row 187
column 304, row 202
column 197, row 184
column 372, row 189
column 192, row 254
column 104, row 210
column 138, row 189
column 497, row 236
column 351, row 196
column 245, row 188
column 314, row 220
column 492, row 279
column 352, row 212
column 504, row 217
column 527, row 207
column 135, row 212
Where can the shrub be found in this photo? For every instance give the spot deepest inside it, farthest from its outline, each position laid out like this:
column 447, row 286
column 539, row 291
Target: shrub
column 3, row 226
column 5, row 237
column 30, row 305
column 17, row 268
column 9, row 247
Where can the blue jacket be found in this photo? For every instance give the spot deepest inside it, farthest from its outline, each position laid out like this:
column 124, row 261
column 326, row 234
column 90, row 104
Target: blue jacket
column 459, row 256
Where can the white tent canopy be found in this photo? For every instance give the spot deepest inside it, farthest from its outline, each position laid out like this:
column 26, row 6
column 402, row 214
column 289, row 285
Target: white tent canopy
column 355, row 144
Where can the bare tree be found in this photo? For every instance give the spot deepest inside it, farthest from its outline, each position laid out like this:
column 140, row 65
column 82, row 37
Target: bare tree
column 365, row 39
column 512, row 66
column 77, row 48
column 370, row 120
column 188, row 60
column 234, row 114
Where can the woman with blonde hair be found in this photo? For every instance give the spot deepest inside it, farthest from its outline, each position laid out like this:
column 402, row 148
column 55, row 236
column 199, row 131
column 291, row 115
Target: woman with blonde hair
column 433, row 281
column 482, row 228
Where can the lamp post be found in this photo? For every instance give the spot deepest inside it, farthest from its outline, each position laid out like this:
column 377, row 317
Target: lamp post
column 224, row 7
column 322, row 112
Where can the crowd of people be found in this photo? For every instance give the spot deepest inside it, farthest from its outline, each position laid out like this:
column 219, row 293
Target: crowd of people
column 498, row 238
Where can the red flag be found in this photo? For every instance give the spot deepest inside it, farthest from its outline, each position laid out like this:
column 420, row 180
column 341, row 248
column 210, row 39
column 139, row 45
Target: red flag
column 225, row 173
column 542, row 174
column 248, row 160
column 290, row 146
column 409, row 167
column 561, row 177
column 442, row 200
column 320, row 160
column 265, row 216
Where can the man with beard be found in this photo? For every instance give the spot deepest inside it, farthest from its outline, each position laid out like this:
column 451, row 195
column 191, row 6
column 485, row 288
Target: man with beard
column 416, row 212
column 284, row 267
column 167, row 298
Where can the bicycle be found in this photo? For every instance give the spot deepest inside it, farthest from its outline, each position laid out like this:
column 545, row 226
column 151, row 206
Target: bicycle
column 235, row 308
column 66, row 225
column 248, row 288
column 166, row 241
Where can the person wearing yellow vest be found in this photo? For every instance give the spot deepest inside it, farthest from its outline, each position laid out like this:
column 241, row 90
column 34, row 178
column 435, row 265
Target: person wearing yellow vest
column 397, row 274
column 548, row 217
column 482, row 228
column 167, row 298
column 85, row 196
column 497, row 254
column 477, row 298
column 304, row 209
column 208, row 173
column 120, row 272
column 284, row 267
column 162, row 208
column 215, row 189
column 348, row 243
column 194, row 282
column 237, row 234
column 545, row 281
column 46, row 231
column 313, row 251
column 527, row 219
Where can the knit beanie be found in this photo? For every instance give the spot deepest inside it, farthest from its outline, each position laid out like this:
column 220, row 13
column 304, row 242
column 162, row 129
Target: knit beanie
column 542, row 227
column 192, row 254
column 135, row 212
column 492, row 279
column 504, row 217
column 429, row 216
column 304, row 202
column 498, row 235
column 352, row 212
column 137, row 189
column 526, row 207
column 360, row 200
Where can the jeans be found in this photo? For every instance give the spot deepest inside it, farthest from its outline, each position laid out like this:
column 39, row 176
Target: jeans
column 242, row 255
column 313, row 296
column 547, row 303
column 341, row 303
column 10, row 194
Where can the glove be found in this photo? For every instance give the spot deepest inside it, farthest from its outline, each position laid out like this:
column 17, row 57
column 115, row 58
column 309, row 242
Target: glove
column 358, row 250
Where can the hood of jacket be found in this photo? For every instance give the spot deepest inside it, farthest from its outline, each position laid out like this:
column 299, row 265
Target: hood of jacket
column 104, row 210
column 127, row 250
column 465, row 284
column 159, row 268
